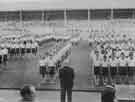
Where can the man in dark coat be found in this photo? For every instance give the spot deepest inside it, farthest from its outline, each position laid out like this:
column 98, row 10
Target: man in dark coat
column 66, row 75
column 108, row 95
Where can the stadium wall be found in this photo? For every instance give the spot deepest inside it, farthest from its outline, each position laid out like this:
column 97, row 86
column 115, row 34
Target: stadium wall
column 71, row 14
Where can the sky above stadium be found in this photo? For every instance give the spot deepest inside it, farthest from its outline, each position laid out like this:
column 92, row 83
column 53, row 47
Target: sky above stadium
column 29, row 0
column 61, row 4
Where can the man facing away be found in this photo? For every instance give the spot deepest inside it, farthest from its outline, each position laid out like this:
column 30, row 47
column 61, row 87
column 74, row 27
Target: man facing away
column 66, row 76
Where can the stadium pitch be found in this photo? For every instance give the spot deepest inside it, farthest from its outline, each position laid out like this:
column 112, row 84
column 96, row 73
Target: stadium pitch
column 20, row 71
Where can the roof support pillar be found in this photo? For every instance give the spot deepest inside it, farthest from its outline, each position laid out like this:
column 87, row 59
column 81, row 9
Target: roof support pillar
column 45, row 17
column 133, row 14
column 88, row 19
column 42, row 16
column 65, row 16
column 112, row 14
column 20, row 16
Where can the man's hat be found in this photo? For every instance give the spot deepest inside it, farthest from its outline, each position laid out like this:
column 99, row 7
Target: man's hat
column 109, row 86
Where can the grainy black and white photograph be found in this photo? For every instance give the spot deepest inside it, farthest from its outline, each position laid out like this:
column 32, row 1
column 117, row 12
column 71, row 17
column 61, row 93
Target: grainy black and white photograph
column 67, row 51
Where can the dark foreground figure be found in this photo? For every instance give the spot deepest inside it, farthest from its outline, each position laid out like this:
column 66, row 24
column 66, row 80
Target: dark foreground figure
column 108, row 95
column 66, row 75
column 28, row 93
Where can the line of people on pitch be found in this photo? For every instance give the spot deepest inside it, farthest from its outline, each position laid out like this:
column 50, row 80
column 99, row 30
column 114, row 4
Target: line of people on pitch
column 20, row 49
column 114, row 59
column 110, row 36
column 44, row 39
column 56, row 48
column 49, row 66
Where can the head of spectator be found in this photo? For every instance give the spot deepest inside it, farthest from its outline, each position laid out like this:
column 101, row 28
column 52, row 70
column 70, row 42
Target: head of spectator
column 28, row 93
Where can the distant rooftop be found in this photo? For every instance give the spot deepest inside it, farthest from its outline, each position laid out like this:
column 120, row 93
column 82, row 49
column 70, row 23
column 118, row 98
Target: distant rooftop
column 12, row 5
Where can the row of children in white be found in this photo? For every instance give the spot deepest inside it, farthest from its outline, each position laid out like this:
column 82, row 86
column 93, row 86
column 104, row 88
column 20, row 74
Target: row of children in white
column 121, row 54
column 42, row 38
column 55, row 49
column 114, row 62
column 51, row 61
column 19, row 45
column 113, row 36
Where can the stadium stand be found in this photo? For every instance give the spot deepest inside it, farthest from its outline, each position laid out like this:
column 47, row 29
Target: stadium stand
column 111, row 38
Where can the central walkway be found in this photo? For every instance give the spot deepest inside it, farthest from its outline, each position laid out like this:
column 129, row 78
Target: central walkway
column 82, row 66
